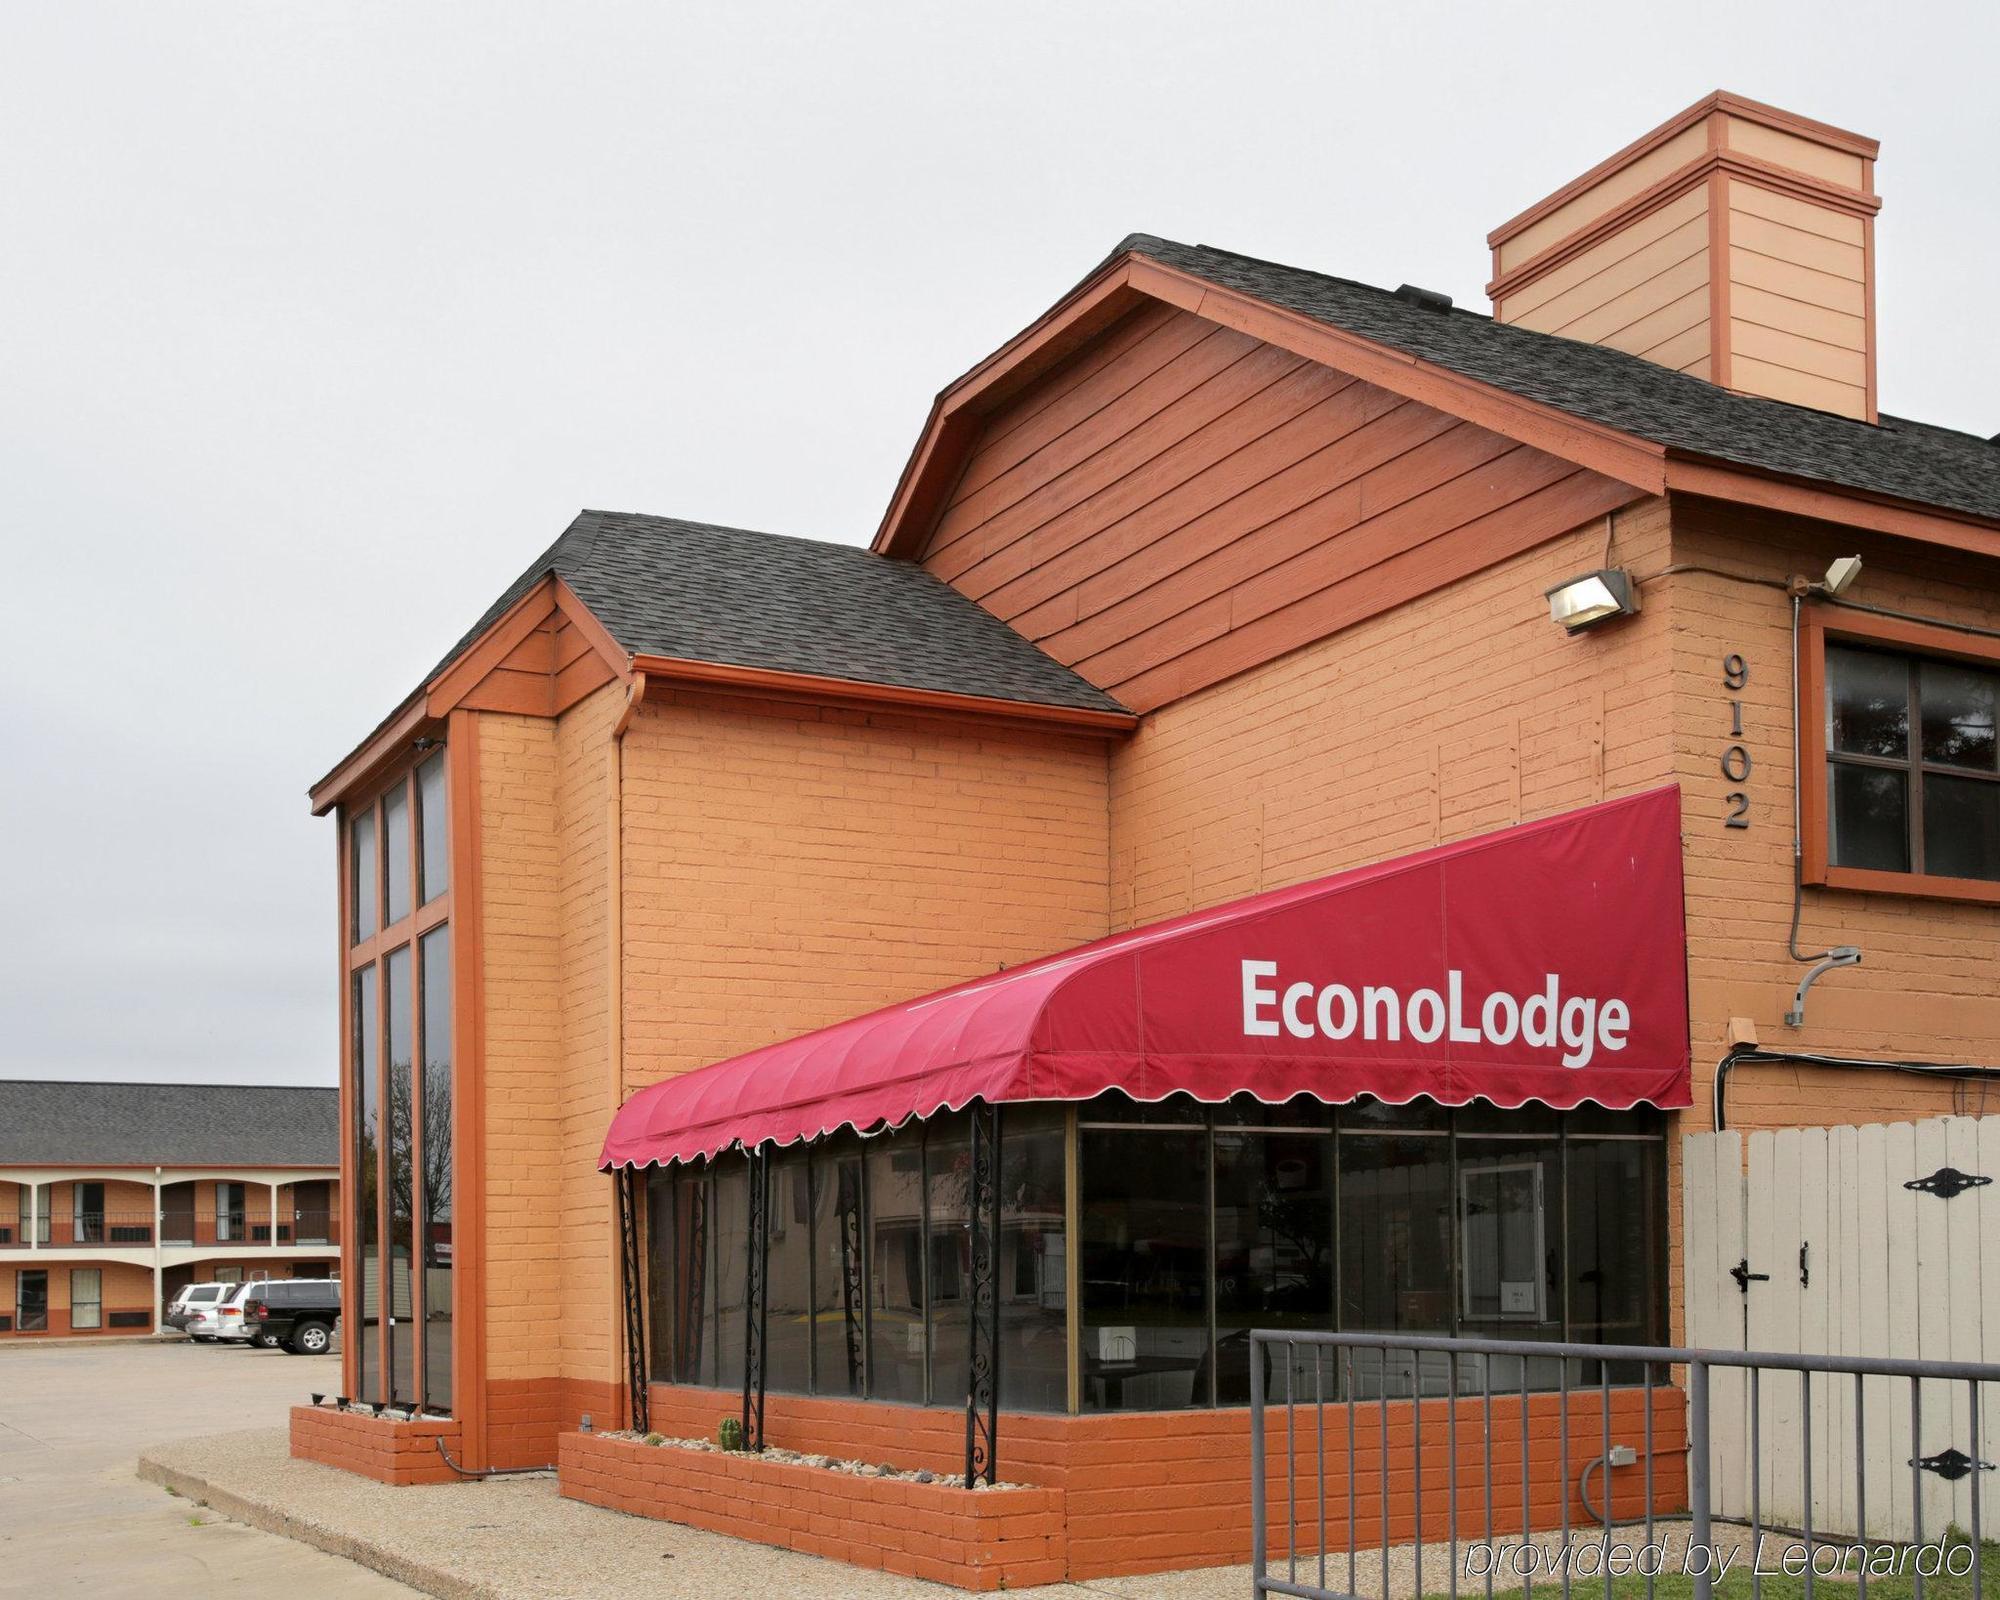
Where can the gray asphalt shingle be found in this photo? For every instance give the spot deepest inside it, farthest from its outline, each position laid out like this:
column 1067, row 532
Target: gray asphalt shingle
column 662, row 586
column 1909, row 460
column 167, row 1124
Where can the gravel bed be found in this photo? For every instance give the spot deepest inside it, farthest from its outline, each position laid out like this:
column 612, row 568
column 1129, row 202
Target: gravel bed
column 795, row 1458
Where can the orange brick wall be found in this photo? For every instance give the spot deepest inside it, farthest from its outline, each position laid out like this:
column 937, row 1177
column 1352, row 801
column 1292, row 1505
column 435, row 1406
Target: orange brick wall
column 977, row 1539
column 1463, row 712
column 1149, row 1491
column 375, row 1447
column 790, row 865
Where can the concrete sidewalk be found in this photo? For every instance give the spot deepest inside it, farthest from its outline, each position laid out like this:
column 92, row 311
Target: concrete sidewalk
column 517, row 1539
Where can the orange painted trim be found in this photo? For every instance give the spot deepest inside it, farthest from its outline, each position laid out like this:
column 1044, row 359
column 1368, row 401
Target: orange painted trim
column 1868, row 330
column 350, row 1207
column 1721, row 101
column 468, row 1046
column 1731, row 163
column 363, row 765
column 1818, row 625
column 762, row 680
column 592, row 630
column 1722, row 480
column 509, row 631
column 939, row 454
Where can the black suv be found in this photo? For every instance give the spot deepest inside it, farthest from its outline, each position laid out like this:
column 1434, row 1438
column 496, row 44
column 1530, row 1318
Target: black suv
column 297, row 1315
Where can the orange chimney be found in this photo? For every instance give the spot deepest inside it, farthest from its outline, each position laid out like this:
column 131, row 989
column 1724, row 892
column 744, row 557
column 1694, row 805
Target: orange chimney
column 1735, row 242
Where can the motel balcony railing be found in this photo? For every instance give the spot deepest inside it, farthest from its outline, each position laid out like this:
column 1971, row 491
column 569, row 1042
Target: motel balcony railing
column 123, row 1229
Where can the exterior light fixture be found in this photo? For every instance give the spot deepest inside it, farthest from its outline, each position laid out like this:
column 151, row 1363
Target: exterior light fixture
column 1583, row 602
column 1843, row 572
column 319, row 1399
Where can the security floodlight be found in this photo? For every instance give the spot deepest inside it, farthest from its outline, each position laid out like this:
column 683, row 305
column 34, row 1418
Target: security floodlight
column 1842, row 573
column 1595, row 597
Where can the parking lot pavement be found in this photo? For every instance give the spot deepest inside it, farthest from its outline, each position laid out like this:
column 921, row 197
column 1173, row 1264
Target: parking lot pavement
column 74, row 1418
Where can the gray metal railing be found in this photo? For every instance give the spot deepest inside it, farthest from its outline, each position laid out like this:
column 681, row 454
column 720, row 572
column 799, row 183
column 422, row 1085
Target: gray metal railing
column 1380, row 1386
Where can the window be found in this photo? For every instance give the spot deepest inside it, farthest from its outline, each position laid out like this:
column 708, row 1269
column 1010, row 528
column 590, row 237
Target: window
column 86, row 1298
column 399, row 1019
column 31, row 1302
column 1909, row 799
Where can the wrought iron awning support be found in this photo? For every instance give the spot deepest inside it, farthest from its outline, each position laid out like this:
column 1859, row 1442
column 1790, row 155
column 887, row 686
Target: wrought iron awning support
column 982, row 1391
column 754, row 1299
column 848, row 1209
column 632, row 1259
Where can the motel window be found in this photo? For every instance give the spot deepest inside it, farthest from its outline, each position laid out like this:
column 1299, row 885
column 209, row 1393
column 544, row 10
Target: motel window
column 86, row 1298
column 399, row 1025
column 788, row 1276
column 1909, row 798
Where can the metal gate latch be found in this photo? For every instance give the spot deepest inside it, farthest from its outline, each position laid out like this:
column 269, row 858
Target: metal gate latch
column 1952, row 1464
column 1745, row 1277
column 1948, row 1181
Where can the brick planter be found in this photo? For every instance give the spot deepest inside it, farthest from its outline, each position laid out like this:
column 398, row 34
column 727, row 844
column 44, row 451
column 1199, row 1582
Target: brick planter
column 376, row 1447
column 973, row 1539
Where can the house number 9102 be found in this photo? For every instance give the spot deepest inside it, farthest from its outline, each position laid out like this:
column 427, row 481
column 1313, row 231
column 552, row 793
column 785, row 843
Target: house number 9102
column 1736, row 762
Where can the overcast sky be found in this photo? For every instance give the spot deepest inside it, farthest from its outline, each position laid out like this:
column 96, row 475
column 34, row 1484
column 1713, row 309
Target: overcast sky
column 319, row 321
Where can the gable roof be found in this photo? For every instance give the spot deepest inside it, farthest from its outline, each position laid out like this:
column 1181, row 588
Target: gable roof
column 662, row 586
column 46, row 1123
column 1897, row 457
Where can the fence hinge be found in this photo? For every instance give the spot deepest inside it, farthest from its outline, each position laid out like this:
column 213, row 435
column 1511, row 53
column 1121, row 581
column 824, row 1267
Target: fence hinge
column 1952, row 1464
column 1947, row 1182
column 1745, row 1277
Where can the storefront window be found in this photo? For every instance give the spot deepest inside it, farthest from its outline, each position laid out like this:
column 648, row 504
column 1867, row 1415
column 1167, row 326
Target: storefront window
column 433, row 866
column 1510, row 1248
column 1617, row 1247
column 788, row 1276
column 838, row 1231
column 1273, row 1245
column 435, row 953
column 948, row 1227
column 368, row 1184
column 1145, row 1268
column 1034, row 1266
column 402, row 1177
column 680, row 1305
column 894, row 1163
column 729, row 1257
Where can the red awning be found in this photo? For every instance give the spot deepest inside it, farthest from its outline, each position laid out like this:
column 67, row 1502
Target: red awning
column 1545, row 962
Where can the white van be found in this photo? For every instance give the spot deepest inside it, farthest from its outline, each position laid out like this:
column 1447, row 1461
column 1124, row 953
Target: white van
column 181, row 1312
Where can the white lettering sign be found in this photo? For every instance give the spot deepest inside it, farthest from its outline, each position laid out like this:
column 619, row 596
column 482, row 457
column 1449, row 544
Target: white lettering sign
column 1577, row 1025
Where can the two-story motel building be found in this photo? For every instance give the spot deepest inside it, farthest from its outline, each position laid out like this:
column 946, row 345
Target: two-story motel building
column 115, row 1196
column 1187, row 830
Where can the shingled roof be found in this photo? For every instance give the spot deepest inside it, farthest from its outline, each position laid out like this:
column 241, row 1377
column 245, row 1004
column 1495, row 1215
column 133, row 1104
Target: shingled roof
column 167, row 1124
column 1907, row 460
column 665, row 587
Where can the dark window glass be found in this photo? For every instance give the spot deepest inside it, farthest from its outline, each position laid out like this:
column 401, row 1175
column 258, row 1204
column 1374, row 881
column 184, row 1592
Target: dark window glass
column 1273, row 1247
column 1247, row 1111
column 1588, row 1118
column 662, row 1262
column 433, row 866
column 1617, row 1246
column 1117, row 1106
column 1868, row 703
column 839, row 1288
column 787, row 1286
column 1395, row 1248
column 1034, row 1267
column 437, row 1167
column 683, row 1270
column 896, row 1265
column 1482, row 1117
column 400, row 1032
column 368, row 1186
column 1957, row 706
column 1368, row 1112
column 396, row 852
column 729, row 1272
column 362, row 877
column 1145, row 1268
column 1961, row 827
column 1510, row 1237
column 86, row 1297
column 31, row 1302
column 948, row 1223
column 1870, row 825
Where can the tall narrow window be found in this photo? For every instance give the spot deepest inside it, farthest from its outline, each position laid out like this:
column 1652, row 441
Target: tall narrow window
column 86, row 1298
column 948, row 1228
column 1273, row 1243
column 436, row 1166
column 1395, row 1246
column 787, row 1282
column 840, row 1347
column 402, row 1114
column 1034, row 1262
column 432, row 862
column 31, row 1302
column 362, row 878
column 368, row 1180
column 895, row 1165
column 729, row 1270
column 396, row 855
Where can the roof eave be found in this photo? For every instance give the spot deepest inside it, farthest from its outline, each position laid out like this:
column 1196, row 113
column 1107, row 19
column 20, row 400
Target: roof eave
column 1708, row 476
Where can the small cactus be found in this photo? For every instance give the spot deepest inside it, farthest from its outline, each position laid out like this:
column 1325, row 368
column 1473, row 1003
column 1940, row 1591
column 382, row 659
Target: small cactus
column 656, row 1438
column 729, row 1433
